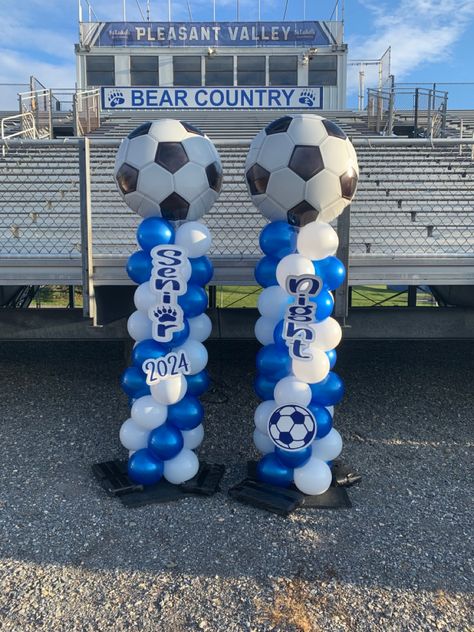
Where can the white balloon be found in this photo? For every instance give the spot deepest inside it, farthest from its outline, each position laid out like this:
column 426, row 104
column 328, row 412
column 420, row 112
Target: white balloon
column 264, row 328
column 262, row 442
column 195, row 237
column 293, row 265
column 193, row 438
column 317, row 240
column 170, row 390
column 147, row 413
column 328, row 334
column 273, row 302
column 313, row 370
column 291, row 390
column 196, row 353
column 329, row 447
column 330, row 409
column 183, row 467
column 200, row 327
column 133, row 436
column 139, row 326
column 263, row 413
column 144, row 298
column 313, row 478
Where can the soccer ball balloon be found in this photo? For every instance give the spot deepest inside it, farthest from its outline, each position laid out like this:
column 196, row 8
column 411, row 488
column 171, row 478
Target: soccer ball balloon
column 169, row 169
column 292, row 427
column 301, row 168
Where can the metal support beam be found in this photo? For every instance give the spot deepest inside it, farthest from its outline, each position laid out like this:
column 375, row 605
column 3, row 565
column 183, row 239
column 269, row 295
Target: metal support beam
column 86, row 229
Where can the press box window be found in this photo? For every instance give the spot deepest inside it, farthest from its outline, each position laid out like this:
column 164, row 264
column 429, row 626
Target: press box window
column 283, row 70
column 323, row 70
column 219, row 71
column 250, row 70
column 186, row 71
column 143, row 70
column 100, row 70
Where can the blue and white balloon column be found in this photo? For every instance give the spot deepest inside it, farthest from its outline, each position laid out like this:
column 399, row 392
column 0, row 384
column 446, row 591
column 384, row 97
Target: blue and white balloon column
column 168, row 370
column 297, row 172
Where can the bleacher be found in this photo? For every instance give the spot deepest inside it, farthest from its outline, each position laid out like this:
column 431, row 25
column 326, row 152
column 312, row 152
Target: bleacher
column 411, row 220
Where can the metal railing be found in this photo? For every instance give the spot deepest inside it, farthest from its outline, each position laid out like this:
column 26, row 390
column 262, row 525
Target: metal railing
column 18, row 125
column 61, row 217
column 38, row 103
column 87, row 109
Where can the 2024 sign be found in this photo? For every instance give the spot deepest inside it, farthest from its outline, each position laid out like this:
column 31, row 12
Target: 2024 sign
column 170, row 365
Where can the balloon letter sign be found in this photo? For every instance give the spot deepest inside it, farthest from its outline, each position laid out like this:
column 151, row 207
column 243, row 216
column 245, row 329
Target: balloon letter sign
column 170, row 174
column 301, row 173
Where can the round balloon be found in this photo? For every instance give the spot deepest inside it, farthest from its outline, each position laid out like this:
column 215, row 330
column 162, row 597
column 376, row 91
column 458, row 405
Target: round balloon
column 170, row 390
column 293, row 265
column 194, row 301
column 144, row 298
column 180, row 336
column 144, row 468
column 262, row 442
column 328, row 334
column 264, row 386
column 313, row 370
column 295, row 458
column 323, row 419
column 291, row 390
column 133, row 382
column 278, row 338
column 317, row 240
column 313, row 478
column 273, row 362
column 332, row 356
column 147, row 413
column 200, row 327
column 198, row 383
column 265, row 271
column 132, row 436
column 165, row 442
column 329, row 391
column 271, row 470
column 182, row 468
column 196, row 353
column 201, row 270
column 278, row 239
column 139, row 266
column 195, row 237
column 139, row 326
column 147, row 350
column 264, row 328
column 324, row 304
column 273, row 301
column 328, row 447
column 263, row 413
column 154, row 231
column 193, row 438
column 331, row 270
column 187, row 413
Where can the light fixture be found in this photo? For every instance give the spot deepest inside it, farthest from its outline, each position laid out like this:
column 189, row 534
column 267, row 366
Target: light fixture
column 211, row 51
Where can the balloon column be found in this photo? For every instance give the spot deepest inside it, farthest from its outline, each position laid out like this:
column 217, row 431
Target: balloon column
column 171, row 174
column 301, row 173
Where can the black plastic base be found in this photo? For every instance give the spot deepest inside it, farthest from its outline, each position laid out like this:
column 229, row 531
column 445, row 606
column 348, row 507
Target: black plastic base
column 112, row 476
column 284, row 501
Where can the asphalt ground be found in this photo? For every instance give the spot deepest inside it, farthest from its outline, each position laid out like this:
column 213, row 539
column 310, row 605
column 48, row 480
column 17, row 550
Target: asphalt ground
column 399, row 559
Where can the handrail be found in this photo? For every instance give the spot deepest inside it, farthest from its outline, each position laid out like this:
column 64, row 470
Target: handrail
column 27, row 130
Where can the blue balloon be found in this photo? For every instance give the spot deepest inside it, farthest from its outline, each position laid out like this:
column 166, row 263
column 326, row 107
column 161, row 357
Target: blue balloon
column 265, row 271
column 332, row 355
column 331, row 270
column 329, row 391
column 154, row 231
column 278, row 239
column 139, row 266
column 264, row 386
column 165, row 442
column 198, row 383
column 144, row 468
column 133, row 382
column 293, row 458
column 271, row 470
column 323, row 419
column 324, row 304
column 278, row 335
column 202, row 271
column 194, row 302
column 180, row 337
column 186, row 414
column 274, row 362
column 147, row 349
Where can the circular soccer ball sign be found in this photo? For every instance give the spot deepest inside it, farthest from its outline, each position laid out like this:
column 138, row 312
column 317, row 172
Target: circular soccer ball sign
column 292, row 427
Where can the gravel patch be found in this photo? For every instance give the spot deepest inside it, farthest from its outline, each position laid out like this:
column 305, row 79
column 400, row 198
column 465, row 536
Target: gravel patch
column 400, row 559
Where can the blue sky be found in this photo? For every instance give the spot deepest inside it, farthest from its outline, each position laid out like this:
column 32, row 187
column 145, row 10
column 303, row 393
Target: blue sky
column 430, row 40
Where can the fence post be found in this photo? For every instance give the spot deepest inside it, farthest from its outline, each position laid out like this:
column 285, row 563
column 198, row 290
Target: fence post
column 416, row 114
column 50, row 113
column 429, row 128
column 74, row 114
column 391, row 107
column 341, row 307
column 444, row 115
column 86, row 229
